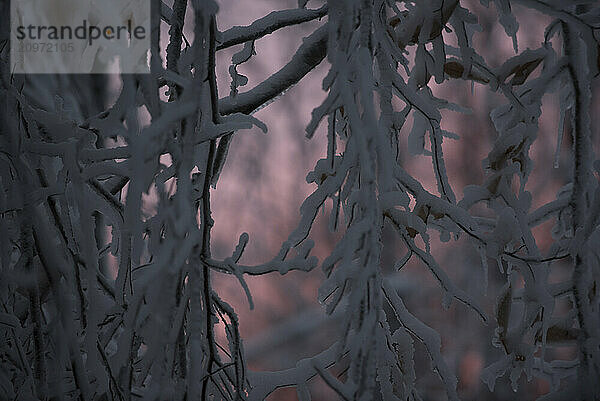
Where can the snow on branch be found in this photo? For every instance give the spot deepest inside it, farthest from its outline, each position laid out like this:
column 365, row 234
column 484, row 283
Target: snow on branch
column 267, row 25
column 308, row 56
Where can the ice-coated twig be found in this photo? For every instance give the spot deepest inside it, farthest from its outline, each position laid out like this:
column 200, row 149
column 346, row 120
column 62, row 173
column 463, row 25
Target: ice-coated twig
column 426, row 335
